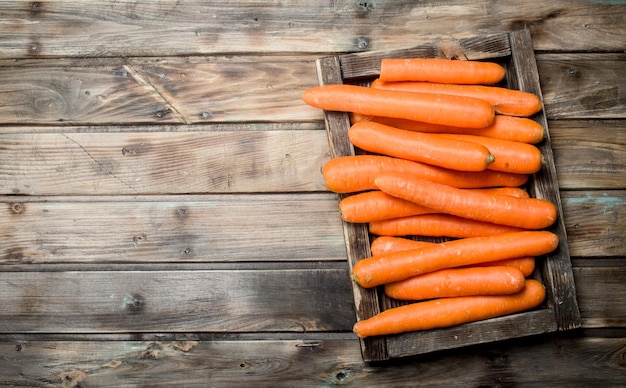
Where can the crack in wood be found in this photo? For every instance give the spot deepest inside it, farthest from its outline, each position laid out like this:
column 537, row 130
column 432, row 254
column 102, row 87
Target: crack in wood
column 100, row 165
column 145, row 82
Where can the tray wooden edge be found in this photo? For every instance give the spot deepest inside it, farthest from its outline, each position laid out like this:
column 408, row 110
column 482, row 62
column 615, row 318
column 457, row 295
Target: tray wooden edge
column 561, row 311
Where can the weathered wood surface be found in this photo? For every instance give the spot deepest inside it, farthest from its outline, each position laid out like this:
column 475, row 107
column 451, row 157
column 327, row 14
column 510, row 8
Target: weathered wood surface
column 194, row 90
column 319, row 362
column 123, row 260
column 166, row 28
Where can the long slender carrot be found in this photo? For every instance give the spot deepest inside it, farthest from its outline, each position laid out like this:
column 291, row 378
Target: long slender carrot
column 446, row 312
column 437, row 225
column 389, row 244
column 466, row 281
column 505, row 101
column 422, row 147
column 427, row 107
column 527, row 213
column 441, row 70
column 350, row 174
column 521, row 129
column 393, row 267
column 376, row 205
column 510, row 156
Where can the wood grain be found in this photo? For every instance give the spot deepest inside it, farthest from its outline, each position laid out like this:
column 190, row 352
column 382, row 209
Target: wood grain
column 165, row 28
column 575, row 86
column 162, row 162
column 179, row 301
column 316, row 362
column 157, row 229
column 596, row 222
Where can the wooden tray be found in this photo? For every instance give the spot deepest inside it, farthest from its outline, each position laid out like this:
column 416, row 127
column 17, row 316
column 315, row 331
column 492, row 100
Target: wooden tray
column 560, row 311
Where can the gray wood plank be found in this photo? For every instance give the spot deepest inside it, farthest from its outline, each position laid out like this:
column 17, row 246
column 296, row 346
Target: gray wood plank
column 176, row 301
column 552, row 361
column 162, row 162
column 168, row 28
column 179, row 229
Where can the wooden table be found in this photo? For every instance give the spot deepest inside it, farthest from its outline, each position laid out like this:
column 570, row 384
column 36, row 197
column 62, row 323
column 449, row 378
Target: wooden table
column 164, row 220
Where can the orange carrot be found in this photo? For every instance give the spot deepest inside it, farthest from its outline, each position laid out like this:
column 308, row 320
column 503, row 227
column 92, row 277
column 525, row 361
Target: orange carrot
column 420, row 147
column 510, row 191
column 527, row 213
column 393, row 267
column 427, row 107
column 521, row 129
column 441, row 70
column 446, row 312
column 510, row 156
column 437, row 225
column 349, row 174
column 466, row 281
column 388, row 244
column 526, row 265
column 376, row 205
column 505, row 101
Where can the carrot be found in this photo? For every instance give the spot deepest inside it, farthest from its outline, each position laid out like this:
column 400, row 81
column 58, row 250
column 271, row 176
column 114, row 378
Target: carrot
column 441, row 70
column 437, row 225
column 388, row 244
column 510, row 191
column 376, row 205
column 420, row 147
column 446, row 312
column 526, row 265
column 447, row 283
column 510, row 156
column 521, row 129
column 527, row 213
column 505, row 101
column 427, row 107
column 392, row 267
column 349, row 174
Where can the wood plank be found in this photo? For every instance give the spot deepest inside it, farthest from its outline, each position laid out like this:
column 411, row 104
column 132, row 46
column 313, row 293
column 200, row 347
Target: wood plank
column 194, row 90
column 554, row 361
column 157, row 229
column 168, row 28
column 583, row 85
column 601, row 296
column 595, row 222
column 176, row 301
column 162, row 162
column 589, row 154
column 144, row 90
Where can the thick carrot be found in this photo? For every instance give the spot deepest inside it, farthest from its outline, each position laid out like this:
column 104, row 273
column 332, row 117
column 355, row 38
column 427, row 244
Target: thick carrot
column 350, row 174
column 427, row 107
column 421, row 147
column 521, row 129
column 505, row 101
column 527, row 213
column 376, row 205
column 441, row 70
column 466, row 281
column 510, row 156
column 446, row 312
column 393, row 267
column 437, row 225
column 388, row 244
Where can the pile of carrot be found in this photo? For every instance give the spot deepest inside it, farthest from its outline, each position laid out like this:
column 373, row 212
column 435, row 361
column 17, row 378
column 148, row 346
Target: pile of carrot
column 447, row 152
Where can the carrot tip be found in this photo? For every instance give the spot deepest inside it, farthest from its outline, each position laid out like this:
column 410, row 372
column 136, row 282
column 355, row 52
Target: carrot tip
column 490, row 159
